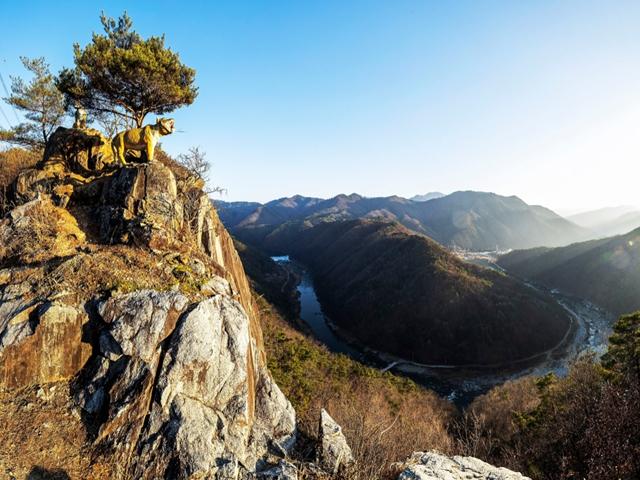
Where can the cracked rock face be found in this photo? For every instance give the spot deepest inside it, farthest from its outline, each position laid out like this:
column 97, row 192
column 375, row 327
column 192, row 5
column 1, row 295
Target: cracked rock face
column 141, row 203
column 434, row 466
column 16, row 308
column 181, row 390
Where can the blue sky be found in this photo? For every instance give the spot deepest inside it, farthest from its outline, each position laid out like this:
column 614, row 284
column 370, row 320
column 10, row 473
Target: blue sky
column 540, row 99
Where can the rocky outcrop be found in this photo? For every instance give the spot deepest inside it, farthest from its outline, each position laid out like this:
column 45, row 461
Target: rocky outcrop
column 283, row 471
column 38, row 231
column 40, row 342
column 334, row 453
column 171, row 382
column 435, row 466
column 140, row 204
column 207, row 417
column 84, row 151
column 153, row 206
column 72, row 158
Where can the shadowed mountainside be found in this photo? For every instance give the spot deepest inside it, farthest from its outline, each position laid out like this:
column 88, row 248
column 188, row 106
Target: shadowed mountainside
column 605, row 271
column 401, row 292
column 468, row 220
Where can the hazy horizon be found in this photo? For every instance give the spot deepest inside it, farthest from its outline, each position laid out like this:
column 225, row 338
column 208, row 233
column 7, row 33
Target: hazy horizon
column 535, row 99
column 562, row 212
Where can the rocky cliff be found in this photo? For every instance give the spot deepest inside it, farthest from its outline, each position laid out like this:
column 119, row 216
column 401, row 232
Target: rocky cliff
column 130, row 343
column 125, row 284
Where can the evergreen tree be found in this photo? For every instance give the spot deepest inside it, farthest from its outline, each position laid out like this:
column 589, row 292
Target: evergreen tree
column 623, row 356
column 42, row 103
column 121, row 73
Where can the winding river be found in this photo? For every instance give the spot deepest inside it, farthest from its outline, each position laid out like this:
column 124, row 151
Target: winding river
column 460, row 385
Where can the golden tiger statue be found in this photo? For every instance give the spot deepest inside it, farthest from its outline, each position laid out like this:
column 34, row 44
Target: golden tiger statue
column 143, row 139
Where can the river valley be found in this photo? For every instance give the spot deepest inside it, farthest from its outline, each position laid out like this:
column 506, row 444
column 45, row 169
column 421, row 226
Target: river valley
column 590, row 329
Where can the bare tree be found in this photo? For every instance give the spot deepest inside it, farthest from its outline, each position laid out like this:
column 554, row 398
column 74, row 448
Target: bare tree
column 111, row 124
column 194, row 161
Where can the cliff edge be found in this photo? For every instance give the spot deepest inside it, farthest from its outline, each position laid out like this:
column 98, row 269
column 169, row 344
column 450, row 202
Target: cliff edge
column 123, row 286
column 130, row 343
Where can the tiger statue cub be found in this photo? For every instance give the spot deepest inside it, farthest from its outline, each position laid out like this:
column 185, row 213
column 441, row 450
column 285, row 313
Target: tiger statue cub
column 143, row 139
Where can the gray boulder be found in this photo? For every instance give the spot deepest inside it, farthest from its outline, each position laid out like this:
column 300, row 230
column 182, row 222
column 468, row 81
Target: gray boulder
column 283, row 471
column 334, row 452
column 182, row 389
column 435, row 466
column 16, row 307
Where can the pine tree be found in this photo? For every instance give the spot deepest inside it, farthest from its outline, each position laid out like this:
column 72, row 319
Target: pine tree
column 623, row 356
column 42, row 103
column 122, row 74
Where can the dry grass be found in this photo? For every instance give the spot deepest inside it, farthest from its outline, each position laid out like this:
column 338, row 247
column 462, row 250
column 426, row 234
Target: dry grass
column 100, row 269
column 491, row 421
column 42, row 438
column 40, row 232
column 12, row 162
column 384, row 417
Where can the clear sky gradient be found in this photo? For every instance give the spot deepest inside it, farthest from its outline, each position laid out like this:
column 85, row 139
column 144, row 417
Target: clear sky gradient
column 539, row 99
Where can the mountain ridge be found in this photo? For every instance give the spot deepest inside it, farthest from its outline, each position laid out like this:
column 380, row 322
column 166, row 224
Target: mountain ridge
column 609, row 221
column 605, row 271
column 465, row 219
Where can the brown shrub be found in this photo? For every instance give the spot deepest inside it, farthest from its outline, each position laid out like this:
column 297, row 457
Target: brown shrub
column 38, row 231
column 384, row 426
column 553, row 444
column 613, row 433
column 554, row 428
column 180, row 171
column 490, row 423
